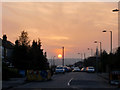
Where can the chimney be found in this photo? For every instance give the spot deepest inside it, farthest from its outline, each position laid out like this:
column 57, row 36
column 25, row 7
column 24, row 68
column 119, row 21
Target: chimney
column 4, row 38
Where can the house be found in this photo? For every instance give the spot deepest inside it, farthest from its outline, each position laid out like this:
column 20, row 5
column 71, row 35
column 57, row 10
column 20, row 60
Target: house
column 7, row 49
column 0, row 49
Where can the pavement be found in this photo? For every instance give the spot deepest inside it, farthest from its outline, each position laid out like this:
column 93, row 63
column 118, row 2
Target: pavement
column 104, row 75
column 13, row 82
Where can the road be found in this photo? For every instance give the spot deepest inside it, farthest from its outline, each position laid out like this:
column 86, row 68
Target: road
column 71, row 80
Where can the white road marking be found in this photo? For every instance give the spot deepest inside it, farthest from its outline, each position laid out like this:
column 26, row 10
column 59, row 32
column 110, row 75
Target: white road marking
column 70, row 81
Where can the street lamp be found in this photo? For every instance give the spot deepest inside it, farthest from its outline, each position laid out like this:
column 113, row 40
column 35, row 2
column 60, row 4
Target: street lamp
column 82, row 56
column 97, row 45
column 96, row 57
column 53, row 60
column 79, row 54
column 91, row 50
column 100, row 46
column 118, row 10
column 110, row 40
column 63, row 55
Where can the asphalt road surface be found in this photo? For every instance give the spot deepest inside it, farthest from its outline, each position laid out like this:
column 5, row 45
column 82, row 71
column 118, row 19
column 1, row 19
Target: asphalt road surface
column 70, row 80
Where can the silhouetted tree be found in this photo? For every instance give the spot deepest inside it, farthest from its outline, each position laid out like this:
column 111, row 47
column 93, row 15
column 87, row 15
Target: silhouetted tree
column 20, row 53
column 91, row 61
column 117, row 57
column 23, row 39
column 38, row 60
column 106, row 62
column 29, row 57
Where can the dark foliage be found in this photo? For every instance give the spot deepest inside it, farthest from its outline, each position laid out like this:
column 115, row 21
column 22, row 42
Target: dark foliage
column 29, row 57
column 37, row 59
column 91, row 61
column 106, row 62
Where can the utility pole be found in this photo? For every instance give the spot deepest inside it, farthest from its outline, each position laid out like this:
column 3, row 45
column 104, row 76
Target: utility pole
column 53, row 60
column 63, row 55
column 100, row 48
column 81, row 56
column 91, row 51
column 97, row 59
column 111, row 41
column 84, row 56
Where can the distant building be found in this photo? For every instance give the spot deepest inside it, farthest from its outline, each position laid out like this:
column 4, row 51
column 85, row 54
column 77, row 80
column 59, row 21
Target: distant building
column 7, row 49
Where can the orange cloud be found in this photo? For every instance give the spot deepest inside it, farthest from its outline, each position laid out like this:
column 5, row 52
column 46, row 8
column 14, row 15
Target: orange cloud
column 73, row 25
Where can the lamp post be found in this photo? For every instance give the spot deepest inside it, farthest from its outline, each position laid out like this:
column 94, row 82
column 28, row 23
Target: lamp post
column 63, row 55
column 110, row 40
column 84, row 56
column 96, row 57
column 79, row 54
column 53, row 60
column 91, row 50
column 100, row 46
column 118, row 10
column 99, row 54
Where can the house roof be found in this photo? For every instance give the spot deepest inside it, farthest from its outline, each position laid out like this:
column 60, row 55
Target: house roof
column 7, row 44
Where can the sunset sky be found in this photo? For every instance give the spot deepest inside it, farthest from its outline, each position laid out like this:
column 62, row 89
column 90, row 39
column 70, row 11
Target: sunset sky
column 73, row 25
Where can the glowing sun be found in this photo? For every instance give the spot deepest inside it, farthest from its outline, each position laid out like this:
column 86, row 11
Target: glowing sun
column 59, row 56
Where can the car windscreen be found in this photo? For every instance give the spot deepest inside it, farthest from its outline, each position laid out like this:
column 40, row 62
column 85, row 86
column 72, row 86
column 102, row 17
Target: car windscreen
column 91, row 68
column 59, row 68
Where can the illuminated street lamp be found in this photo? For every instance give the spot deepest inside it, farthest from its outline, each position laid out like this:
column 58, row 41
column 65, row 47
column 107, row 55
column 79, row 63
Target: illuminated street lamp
column 110, row 40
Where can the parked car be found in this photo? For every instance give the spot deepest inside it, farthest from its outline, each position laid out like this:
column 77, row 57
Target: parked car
column 76, row 69
column 72, row 67
column 90, row 69
column 83, row 69
column 114, row 77
column 67, row 69
column 59, row 69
